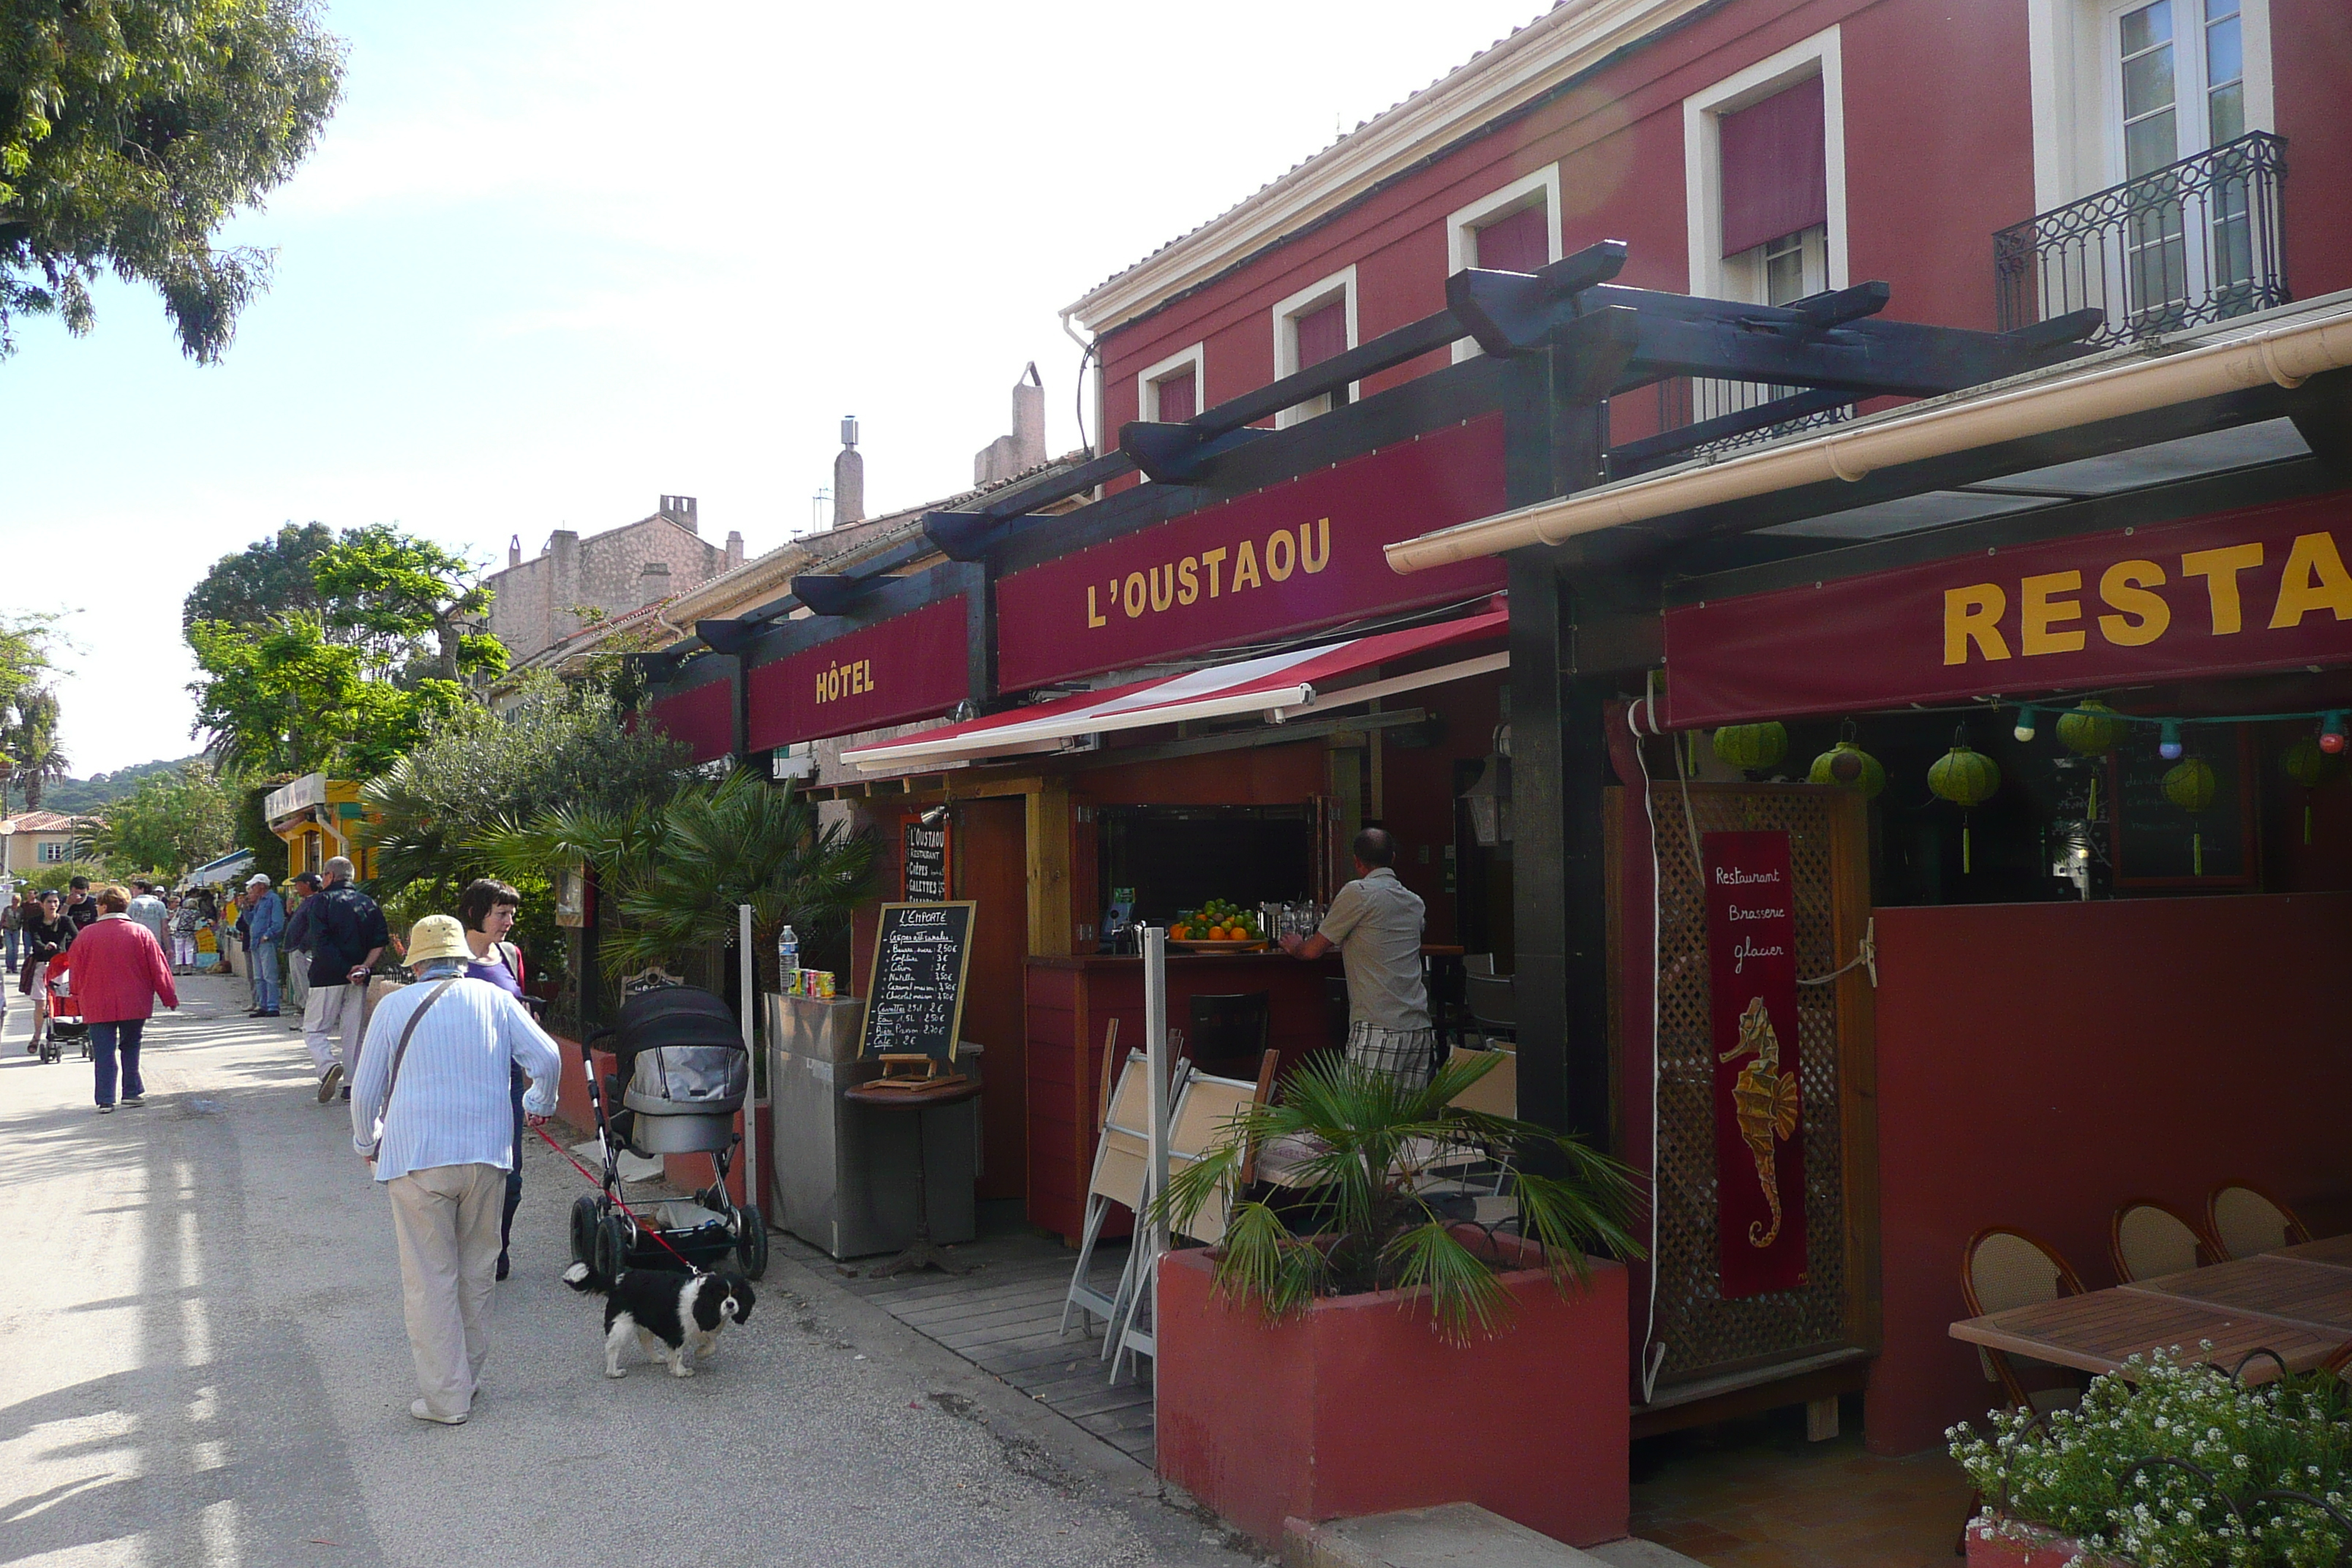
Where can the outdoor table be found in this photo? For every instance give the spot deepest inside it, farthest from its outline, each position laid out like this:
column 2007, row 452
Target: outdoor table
column 920, row 1253
column 2331, row 1249
column 2100, row 1330
column 2284, row 1289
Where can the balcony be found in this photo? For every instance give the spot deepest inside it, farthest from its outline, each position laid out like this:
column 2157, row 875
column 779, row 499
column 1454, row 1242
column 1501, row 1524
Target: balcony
column 2197, row 241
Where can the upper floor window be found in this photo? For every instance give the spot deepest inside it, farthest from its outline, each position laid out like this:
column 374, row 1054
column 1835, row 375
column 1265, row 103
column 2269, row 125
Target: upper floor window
column 2182, row 80
column 52, row 850
column 1764, row 177
column 1513, row 229
column 1316, row 323
column 1171, row 392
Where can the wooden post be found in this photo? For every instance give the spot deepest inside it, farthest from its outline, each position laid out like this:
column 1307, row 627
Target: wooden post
column 1049, row 868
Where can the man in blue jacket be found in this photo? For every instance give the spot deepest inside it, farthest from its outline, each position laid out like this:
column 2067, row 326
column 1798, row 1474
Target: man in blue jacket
column 265, row 926
column 345, row 933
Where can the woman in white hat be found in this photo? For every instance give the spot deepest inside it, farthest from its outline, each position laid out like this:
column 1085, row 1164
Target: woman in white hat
column 430, row 1112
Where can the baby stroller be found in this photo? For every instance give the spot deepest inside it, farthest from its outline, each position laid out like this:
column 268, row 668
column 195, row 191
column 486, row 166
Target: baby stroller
column 683, row 1074
column 67, row 1025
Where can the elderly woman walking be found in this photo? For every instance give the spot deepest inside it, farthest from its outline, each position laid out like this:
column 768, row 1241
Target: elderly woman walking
column 119, row 974
column 430, row 1112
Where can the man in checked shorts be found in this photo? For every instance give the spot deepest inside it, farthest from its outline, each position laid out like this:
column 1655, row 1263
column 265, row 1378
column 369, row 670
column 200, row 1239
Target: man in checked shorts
column 1376, row 924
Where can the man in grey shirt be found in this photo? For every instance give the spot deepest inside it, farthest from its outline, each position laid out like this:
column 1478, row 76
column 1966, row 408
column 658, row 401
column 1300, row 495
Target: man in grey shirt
column 1376, row 923
column 147, row 909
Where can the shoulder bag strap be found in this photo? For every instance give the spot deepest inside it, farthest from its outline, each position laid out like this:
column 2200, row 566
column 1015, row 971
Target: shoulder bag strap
column 400, row 1053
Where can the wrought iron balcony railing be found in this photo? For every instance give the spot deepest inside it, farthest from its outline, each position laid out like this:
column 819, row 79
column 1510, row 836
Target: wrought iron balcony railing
column 2197, row 241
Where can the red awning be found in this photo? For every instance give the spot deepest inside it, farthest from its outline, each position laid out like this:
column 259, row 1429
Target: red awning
column 1282, row 687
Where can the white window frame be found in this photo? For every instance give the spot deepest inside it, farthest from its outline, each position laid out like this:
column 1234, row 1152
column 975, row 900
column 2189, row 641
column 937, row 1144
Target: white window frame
column 1822, row 55
column 2077, row 90
column 1340, row 284
column 1463, row 223
column 54, row 851
column 1146, row 381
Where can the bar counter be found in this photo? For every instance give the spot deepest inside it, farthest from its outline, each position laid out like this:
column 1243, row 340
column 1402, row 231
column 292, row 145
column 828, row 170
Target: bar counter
column 1070, row 1002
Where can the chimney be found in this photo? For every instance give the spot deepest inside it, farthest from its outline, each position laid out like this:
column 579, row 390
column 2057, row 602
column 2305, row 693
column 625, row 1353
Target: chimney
column 734, row 549
column 848, row 476
column 1025, row 447
column 514, row 551
column 679, row 509
column 653, row 581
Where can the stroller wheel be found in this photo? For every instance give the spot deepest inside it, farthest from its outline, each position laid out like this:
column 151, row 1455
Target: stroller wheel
column 752, row 1245
column 584, row 1228
column 612, row 1246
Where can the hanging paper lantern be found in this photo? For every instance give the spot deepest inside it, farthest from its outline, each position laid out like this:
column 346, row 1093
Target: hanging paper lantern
column 1964, row 777
column 2087, row 731
column 2309, row 766
column 1848, row 766
column 1751, row 748
column 2190, row 784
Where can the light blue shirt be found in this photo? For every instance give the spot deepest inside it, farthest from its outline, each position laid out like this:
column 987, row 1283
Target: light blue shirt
column 451, row 1105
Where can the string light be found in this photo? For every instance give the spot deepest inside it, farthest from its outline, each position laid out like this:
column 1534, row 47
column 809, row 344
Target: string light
column 2331, row 734
column 2025, row 718
column 2168, row 745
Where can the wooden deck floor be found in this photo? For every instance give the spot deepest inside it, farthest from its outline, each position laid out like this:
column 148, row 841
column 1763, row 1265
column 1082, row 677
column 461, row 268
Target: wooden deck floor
column 1003, row 1317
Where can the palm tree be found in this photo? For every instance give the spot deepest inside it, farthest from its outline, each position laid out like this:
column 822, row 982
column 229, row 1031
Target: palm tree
column 32, row 745
column 1365, row 1227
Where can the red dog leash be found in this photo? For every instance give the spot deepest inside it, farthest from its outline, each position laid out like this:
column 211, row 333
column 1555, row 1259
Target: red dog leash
column 619, row 1202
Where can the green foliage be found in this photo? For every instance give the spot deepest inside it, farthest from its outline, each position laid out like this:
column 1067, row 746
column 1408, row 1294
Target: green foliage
column 2222, row 1443
column 252, row 832
column 268, row 578
column 30, row 744
column 671, row 876
column 131, row 131
column 74, row 796
column 58, row 875
column 1365, row 1227
column 283, row 699
column 170, row 824
column 401, row 600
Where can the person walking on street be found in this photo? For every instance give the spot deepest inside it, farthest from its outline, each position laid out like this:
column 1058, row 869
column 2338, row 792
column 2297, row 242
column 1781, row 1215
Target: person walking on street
column 47, row 933
column 1376, row 923
column 488, row 912
column 183, row 932
column 119, row 974
column 265, row 924
column 345, row 933
column 81, row 908
column 12, row 928
column 430, row 1111
column 147, row 909
column 299, row 888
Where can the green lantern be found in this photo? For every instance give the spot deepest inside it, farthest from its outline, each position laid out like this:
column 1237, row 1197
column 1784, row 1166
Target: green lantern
column 2190, row 784
column 1848, row 766
column 2309, row 766
column 1751, row 748
column 2087, row 730
column 1968, row 778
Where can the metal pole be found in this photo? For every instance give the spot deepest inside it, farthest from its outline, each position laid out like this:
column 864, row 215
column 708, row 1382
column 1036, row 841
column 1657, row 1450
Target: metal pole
column 749, row 966
column 1155, row 1053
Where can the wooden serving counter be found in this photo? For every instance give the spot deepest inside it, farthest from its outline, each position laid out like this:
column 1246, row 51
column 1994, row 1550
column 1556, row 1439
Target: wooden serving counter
column 1070, row 1001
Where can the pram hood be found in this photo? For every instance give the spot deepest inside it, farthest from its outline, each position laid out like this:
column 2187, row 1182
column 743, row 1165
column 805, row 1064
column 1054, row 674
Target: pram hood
column 675, row 1015
column 684, row 1054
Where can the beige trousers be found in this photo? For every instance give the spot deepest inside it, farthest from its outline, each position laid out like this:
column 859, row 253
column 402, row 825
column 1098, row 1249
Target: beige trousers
column 337, row 1010
column 446, row 1218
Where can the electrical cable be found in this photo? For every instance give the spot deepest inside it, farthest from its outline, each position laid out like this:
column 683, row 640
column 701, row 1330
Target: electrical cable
column 1654, row 1351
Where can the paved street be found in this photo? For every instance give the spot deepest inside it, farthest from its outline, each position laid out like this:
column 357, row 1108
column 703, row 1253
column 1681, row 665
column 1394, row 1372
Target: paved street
column 204, row 1364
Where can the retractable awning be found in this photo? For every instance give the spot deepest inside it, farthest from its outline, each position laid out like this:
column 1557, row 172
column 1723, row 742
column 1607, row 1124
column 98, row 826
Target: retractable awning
column 1282, row 687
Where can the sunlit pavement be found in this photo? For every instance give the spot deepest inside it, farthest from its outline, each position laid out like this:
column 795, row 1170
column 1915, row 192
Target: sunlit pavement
column 202, row 1362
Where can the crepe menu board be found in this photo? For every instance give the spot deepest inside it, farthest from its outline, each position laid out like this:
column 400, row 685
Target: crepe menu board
column 915, row 1004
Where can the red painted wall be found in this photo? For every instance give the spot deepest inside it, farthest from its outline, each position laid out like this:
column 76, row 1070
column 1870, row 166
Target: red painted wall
column 2311, row 60
column 2039, row 1064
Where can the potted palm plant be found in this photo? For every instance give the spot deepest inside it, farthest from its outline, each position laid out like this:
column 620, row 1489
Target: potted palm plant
column 1362, row 1349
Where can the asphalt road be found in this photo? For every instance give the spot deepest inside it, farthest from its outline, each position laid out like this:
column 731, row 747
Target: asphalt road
column 204, row 1363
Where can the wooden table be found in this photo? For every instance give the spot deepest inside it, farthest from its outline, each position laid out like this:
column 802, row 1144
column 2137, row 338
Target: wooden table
column 2335, row 1249
column 2293, row 1303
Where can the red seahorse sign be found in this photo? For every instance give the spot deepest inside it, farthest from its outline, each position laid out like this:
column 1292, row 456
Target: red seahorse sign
column 1759, row 1134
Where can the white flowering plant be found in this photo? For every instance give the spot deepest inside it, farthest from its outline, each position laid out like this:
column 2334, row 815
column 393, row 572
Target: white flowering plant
column 2174, row 1464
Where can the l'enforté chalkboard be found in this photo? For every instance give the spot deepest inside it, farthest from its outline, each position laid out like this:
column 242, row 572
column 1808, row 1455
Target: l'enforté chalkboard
column 915, row 1005
column 2156, row 844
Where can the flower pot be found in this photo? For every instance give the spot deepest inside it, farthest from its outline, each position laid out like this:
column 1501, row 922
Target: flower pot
column 1356, row 1407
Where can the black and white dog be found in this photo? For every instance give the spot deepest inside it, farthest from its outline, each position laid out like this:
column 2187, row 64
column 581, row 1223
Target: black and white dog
column 675, row 1317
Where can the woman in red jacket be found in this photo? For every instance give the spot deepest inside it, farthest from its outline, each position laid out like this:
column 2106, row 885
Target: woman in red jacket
column 119, row 973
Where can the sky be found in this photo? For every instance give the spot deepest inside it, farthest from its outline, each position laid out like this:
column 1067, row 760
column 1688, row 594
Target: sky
column 556, row 258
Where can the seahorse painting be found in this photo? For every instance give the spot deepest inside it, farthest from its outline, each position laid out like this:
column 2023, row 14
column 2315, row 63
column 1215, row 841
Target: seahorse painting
column 1766, row 1100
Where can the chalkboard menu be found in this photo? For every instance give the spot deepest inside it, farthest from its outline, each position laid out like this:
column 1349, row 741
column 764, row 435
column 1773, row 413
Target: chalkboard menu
column 926, row 862
column 2158, row 845
column 915, row 1005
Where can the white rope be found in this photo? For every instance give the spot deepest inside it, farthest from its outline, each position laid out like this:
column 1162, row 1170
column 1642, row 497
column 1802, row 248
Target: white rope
column 1653, row 1353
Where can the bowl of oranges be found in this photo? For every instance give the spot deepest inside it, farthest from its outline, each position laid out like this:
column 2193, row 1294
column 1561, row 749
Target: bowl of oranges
column 1217, row 926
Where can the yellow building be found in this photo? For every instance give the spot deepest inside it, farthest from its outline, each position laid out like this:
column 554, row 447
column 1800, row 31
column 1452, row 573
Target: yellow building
column 33, row 841
column 315, row 815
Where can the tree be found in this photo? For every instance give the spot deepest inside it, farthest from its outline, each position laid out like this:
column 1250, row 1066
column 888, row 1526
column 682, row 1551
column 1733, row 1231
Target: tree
column 407, row 602
column 30, row 742
column 282, row 699
column 131, row 131
column 270, row 577
column 172, row 822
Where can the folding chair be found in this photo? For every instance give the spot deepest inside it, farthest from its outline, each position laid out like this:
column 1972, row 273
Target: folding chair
column 2148, row 1238
column 1496, row 1093
column 1122, row 1177
column 1199, row 1121
column 2245, row 1220
column 2002, row 1269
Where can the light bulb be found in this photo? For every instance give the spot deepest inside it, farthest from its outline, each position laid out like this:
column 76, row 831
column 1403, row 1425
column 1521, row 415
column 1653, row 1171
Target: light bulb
column 2169, row 746
column 2331, row 734
column 2024, row 730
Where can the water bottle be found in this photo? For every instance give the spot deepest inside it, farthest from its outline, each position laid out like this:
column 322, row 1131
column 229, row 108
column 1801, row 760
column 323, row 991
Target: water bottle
column 788, row 961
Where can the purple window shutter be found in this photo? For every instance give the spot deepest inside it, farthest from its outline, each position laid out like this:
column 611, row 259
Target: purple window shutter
column 1178, row 401
column 1322, row 334
column 1775, row 177
column 1519, row 243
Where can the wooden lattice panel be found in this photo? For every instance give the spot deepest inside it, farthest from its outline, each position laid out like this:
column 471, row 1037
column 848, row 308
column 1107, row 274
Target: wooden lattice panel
column 1700, row 1329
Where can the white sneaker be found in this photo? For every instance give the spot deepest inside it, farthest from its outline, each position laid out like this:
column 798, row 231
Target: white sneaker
column 423, row 1412
column 327, row 1082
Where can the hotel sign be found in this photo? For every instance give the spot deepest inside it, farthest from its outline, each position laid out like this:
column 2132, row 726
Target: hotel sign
column 914, row 665
column 1295, row 557
column 2263, row 588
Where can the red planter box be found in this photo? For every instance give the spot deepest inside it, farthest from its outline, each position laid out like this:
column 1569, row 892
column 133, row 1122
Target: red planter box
column 1357, row 1407
column 2010, row 1543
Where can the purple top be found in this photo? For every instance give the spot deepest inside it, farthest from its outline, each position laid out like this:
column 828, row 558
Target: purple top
column 494, row 970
